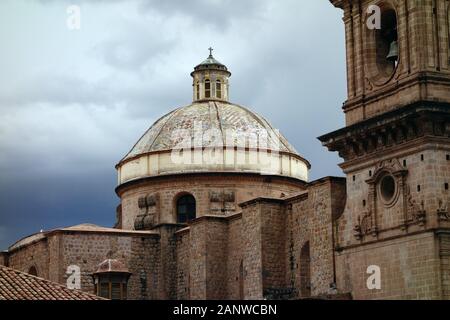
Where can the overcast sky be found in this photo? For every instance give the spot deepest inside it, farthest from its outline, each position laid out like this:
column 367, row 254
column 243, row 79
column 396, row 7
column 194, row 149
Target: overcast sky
column 73, row 102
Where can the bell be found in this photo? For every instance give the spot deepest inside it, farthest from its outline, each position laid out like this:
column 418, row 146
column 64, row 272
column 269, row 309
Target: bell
column 393, row 52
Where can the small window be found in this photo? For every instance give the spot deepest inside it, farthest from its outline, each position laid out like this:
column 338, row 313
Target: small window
column 219, row 89
column 448, row 157
column 418, row 188
column 446, row 186
column 422, row 157
column 104, row 290
column 197, row 91
column 186, row 209
column 116, row 291
column 404, row 163
column 207, row 89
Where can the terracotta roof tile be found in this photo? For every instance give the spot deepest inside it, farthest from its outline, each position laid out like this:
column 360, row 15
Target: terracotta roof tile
column 17, row 285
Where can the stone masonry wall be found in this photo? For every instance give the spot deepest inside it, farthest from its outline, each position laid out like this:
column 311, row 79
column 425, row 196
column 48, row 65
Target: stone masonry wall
column 197, row 256
column 252, row 251
column 183, row 265
column 244, row 187
column 33, row 255
column 409, row 269
column 273, row 239
column 235, row 259
column 444, row 254
column 216, row 258
column 310, row 223
column 139, row 253
column 3, row 258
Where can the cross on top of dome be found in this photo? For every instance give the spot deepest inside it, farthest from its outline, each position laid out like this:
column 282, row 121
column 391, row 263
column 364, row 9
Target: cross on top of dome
column 210, row 80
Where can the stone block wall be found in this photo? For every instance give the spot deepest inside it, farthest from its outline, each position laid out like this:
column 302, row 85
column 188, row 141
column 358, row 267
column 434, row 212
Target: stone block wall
column 244, row 187
column 197, row 256
column 183, row 264
column 235, row 263
column 273, row 231
column 3, row 259
column 53, row 254
column 216, row 258
column 139, row 253
column 310, row 243
column 251, row 227
column 410, row 269
column 444, row 254
column 33, row 255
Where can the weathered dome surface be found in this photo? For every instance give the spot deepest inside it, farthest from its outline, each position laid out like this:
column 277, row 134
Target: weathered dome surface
column 211, row 135
column 219, row 119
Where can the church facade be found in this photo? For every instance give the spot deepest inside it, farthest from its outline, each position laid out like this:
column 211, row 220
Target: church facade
column 216, row 204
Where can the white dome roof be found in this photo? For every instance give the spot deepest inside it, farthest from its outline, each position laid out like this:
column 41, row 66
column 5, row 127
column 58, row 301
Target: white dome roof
column 212, row 118
column 245, row 141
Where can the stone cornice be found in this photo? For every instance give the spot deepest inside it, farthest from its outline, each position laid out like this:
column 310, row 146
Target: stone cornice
column 337, row 3
column 261, row 200
column 207, row 175
column 397, row 86
column 424, row 118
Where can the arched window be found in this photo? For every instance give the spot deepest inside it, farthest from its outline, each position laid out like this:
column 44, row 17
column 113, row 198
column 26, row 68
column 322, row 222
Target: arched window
column 219, row 89
column 185, row 209
column 207, row 88
column 197, row 90
column 33, row 271
column 386, row 43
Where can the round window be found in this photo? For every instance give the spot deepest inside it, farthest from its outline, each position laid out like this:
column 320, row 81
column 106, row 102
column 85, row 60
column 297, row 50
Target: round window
column 387, row 188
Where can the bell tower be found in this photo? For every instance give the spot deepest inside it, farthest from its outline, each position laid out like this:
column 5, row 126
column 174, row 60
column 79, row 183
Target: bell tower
column 396, row 149
column 415, row 36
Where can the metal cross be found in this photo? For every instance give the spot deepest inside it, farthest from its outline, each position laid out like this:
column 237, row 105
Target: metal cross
column 210, row 51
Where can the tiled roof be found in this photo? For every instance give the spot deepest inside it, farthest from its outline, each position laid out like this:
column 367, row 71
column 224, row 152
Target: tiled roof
column 17, row 285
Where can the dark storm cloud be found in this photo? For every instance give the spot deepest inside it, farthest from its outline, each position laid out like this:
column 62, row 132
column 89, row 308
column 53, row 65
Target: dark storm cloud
column 73, row 103
column 218, row 13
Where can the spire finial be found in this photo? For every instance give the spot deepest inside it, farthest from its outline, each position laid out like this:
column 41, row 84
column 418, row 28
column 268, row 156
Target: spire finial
column 210, row 51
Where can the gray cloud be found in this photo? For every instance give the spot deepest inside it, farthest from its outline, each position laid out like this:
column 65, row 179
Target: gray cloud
column 73, row 103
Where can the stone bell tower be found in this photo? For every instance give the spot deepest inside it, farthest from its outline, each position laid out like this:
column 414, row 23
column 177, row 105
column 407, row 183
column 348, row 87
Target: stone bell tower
column 396, row 150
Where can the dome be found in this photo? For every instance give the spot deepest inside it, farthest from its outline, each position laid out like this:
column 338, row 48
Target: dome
column 211, row 135
column 216, row 117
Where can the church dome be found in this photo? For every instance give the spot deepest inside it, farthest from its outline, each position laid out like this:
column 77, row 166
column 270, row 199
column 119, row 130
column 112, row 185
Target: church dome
column 212, row 135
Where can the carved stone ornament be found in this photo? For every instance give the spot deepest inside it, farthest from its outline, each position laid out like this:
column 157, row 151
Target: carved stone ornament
column 148, row 206
column 416, row 212
column 364, row 225
column 442, row 211
column 222, row 202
